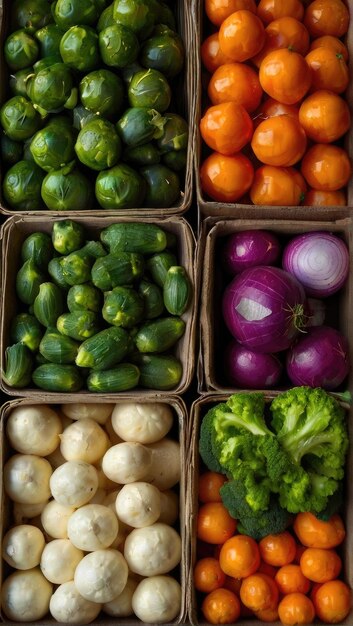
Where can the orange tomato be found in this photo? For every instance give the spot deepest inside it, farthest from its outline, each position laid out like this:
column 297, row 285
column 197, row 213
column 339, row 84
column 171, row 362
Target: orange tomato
column 277, row 186
column 290, row 579
column 332, row 601
column 226, row 127
column 329, row 70
column 296, row 608
column 320, row 565
column 326, row 167
column 315, row 533
column 268, row 615
column 226, row 178
column 278, row 549
column 214, row 524
column 280, row 140
column 333, row 43
column 326, row 17
column 221, row 606
column 324, row 116
column 218, row 10
column 286, row 32
column 209, row 486
column 241, row 36
column 269, row 10
column 208, row 575
column 314, row 197
column 272, row 108
column 235, row 82
column 259, row 592
column 285, row 76
column 211, row 54
column 240, row 556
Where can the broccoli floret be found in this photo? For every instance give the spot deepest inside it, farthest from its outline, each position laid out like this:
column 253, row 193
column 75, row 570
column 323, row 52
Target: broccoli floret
column 207, row 434
column 257, row 524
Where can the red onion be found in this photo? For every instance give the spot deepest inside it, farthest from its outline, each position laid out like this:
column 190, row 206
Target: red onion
column 248, row 369
column 315, row 312
column 319, row 358
column 263, row 308
column 249, row 248
column 319, row 260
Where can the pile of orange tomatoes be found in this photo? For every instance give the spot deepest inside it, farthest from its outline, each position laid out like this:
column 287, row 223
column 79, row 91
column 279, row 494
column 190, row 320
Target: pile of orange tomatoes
column 291, row 576
column 276, row 115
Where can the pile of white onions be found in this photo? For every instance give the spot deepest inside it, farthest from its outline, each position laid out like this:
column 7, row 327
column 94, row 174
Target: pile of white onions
column 94, row 503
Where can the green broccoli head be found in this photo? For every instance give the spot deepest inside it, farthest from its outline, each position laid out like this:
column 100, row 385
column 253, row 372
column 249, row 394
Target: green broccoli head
column 206, row 439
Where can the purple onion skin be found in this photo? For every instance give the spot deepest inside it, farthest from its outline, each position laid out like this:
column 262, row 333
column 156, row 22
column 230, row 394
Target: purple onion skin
column 248, row 369
column 319, row 359
column 262, row 308
column 248, row 249
column 319, row 260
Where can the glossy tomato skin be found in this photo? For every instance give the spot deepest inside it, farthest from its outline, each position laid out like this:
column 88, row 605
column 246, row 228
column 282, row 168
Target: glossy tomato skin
column 218, row 10
column 241, row 36
column 269, row 10
column 211, row 54
column 326, row 17
column 295, row 609
column 259, row 592
column 332, row 601
column 214, row 524
column 240, row 556
column 285, row 76
column 326, row 167
column 316, row 533
column 221, row 606
column 277, row 186
column 320, row 564
column 279, row 141
column 208, row 575
column 325, row 116
column 314, row 197
column 226, row 127
column 236, row 82
column 329, row 70
column 272, row 108
column 278, row 549
column 333, row 43
column 226, row 178
column 285, row 32
column 290, row 579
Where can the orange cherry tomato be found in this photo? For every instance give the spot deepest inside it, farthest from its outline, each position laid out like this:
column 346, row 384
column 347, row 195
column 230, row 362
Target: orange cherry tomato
column 320, row 565
column 218, row 10
column 211, row 54
column 285, row 76
column 290, row 579
column 332, row 601
column 214, row 524
column 278, row 549
column 235, row 82
column 209, row 486
column 326, row 17
column 272, row 108
column 259, row 592
column 226, row 178
column 208, row 575
column 240, row 556
column 315, row 533
column 277, row 186
column 286, row 32
column 226, row 127
column 326, row 167
column 280, row 140
column 314, row 197
column 324, row 116
column 296, row 608
column 335, row 44
column 241, row 35
column 329, row 70
column 269, row 10
column 268, row 615
column 221, row 606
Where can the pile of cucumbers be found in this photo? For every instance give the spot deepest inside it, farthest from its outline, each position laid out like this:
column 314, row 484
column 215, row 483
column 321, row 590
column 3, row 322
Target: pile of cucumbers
column 98, row 314
column 91, row 121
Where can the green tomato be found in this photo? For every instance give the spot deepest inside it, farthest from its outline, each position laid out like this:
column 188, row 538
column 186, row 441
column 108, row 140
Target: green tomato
column 11, row 151
column 163, row 186
column 106, row 18
column 30, row 14
column 49, row 38
column 138, row 15
column 164, row 53
column 118, row 46
column 67, row 191
column 149, row 88
column 51, row 87
column 21, row 50
column 121, row 187
column 19, row 118
column 52, row 147
column 69, row 13
column 79, row 48
column 98, row 145
column 18, row 81
column 22, row 185
column 175, row 133
column 102, row 92
column 138, row 125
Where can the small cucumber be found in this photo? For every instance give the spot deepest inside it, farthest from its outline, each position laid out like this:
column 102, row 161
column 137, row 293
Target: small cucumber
column 56, row 272
column 19, row 365
column 26, row 329
column 48, row 304
column 153, row 299
column 28, row 280
column 134, row 237
column 78, row 325
column 104, row 350
column 84, row 298
column 159, row 335
column 177, row 290
column 158, row 371
column 123, row 306
column 61, row 378
column 39, row 248
column 159, row 264
column 58, row 348
column 67, row 236
column 122, row 268
column 123, row 377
